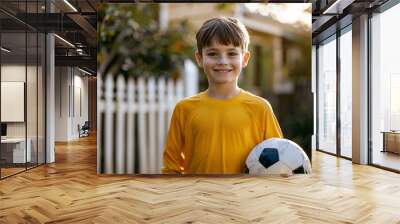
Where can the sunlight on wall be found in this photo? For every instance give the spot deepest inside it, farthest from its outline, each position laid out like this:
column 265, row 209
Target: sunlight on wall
column 284, row 12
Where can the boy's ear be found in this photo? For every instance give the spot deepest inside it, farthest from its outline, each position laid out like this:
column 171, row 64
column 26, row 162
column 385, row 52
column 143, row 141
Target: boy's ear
column 199, row 59
column 246, row 58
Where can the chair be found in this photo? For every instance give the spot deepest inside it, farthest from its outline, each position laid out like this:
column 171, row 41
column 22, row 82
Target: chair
column 84, row 130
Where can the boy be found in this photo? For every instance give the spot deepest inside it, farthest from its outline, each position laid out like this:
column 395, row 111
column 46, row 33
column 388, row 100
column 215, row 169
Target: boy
column 214, row 131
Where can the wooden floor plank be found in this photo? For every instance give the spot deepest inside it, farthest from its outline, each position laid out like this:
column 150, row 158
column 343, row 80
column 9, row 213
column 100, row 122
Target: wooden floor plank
column 70, row 191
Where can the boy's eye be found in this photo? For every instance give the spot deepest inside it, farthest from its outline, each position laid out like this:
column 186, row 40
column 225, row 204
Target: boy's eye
column 215, row 54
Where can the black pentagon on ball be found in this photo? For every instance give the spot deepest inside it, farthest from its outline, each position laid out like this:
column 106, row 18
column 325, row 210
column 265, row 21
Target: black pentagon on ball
column 299, row 170
column 268, row 157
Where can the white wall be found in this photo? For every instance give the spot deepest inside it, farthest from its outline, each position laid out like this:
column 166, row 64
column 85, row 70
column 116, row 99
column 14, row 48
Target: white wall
column 79, row 117
column 33, row 126
column 62, row 82
column 15, row 73
column 71, row 87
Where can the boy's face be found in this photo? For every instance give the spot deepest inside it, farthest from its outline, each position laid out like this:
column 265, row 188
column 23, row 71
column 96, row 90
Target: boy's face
column 222, row 63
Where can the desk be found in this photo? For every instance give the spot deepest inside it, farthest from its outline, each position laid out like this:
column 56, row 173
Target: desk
column 16, row 147
column 391, row 141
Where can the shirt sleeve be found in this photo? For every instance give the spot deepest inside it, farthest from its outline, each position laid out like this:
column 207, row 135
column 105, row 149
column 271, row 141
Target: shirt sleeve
column 173, row 161
column 272, row 128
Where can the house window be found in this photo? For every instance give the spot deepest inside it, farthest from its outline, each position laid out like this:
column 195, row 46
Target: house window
column 385, row 88
column 327, row 95
column 346, row 93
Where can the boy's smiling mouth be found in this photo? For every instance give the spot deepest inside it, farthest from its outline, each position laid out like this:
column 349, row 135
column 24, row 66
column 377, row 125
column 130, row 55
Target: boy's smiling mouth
column 222, row 70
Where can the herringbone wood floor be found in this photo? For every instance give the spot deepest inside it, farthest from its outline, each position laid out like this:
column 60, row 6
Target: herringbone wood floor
column 70, row 191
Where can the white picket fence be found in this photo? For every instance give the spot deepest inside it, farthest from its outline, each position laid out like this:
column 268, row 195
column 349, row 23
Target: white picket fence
column 133, row 120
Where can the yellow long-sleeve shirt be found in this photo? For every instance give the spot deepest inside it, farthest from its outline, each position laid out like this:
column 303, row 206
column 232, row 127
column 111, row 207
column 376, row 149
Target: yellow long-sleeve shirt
column 208, row 135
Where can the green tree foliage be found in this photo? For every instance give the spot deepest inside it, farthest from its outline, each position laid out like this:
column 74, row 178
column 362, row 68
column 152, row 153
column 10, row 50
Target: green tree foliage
column 131, row 42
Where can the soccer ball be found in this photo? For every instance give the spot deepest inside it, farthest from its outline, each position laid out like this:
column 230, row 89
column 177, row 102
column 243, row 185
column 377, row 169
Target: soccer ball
column 278, row 156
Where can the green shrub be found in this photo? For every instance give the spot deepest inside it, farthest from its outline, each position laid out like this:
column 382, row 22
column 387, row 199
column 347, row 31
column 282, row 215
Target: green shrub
column 132, row 43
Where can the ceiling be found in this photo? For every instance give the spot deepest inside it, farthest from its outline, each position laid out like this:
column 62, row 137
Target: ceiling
column 330, row 15
column 72, row 20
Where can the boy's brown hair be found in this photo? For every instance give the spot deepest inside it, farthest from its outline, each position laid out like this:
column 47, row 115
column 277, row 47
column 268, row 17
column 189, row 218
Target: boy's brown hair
column 225, row 30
